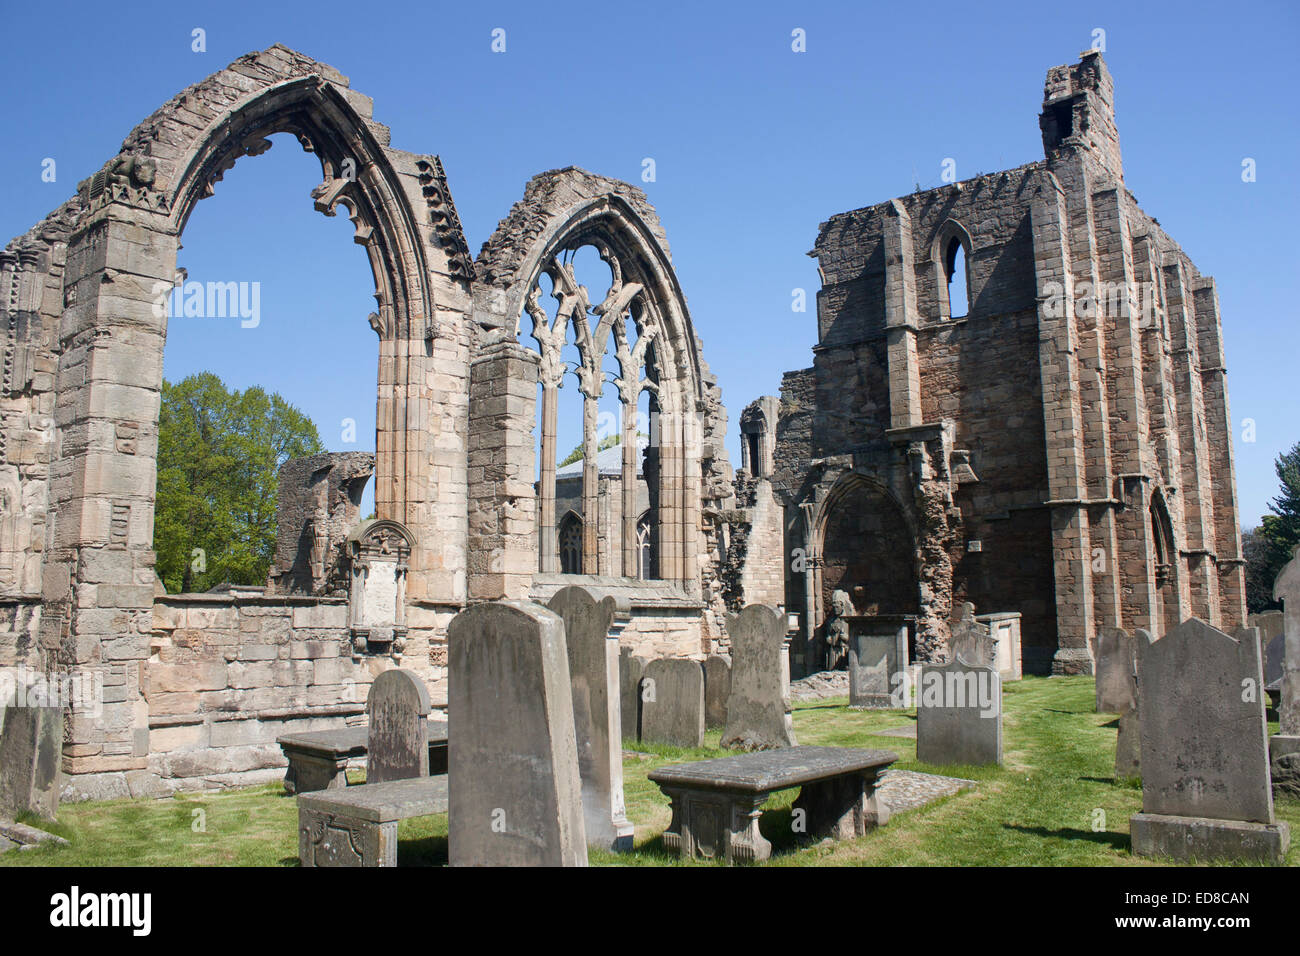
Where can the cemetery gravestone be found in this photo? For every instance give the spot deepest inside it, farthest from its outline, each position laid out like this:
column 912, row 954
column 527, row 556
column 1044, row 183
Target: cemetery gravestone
column 1284, row 746
column 717, row 690
column 631, row 668
column 877, row 660
column 1274, row 662
column 959, row 714
column 398, row 739
column 1128, row 746
column 672, row 703
column 594, row 676
column 31, row 750
column 1116, row 669
column 758, row 709
column 971, row 640
column 1205, row 782
column 515, row 794
column 1128, row 736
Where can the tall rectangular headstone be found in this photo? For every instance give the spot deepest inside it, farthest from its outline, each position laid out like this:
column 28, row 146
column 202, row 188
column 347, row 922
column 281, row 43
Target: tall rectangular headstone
column 672, row 702
column 1284, row 747
column 597, row 720
column 1205, row 779
column 1128, row 733
column 878, row 660
column 1116, row 670
column 514, row 789
column 631, row 668
column 959, row 714
column 31, row 748
column 758, row 710
column 717, row 690
column 397, row 743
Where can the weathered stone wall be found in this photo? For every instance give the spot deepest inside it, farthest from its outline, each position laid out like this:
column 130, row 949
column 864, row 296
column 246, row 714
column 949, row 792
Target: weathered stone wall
column 318, row 503
column 227, row 675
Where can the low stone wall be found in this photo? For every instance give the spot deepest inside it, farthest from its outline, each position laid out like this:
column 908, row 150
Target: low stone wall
column 226, row 675
column 665, row 621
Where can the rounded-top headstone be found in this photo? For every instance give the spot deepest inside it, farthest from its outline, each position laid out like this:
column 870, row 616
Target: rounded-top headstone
column 398, row 739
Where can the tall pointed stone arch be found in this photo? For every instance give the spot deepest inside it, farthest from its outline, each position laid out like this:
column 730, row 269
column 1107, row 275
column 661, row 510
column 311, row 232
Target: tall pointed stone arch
column 561, row 211
column 118, row 267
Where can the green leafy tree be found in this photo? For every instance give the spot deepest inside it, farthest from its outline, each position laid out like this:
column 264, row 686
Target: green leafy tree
column 1260, row 570
column 219, row 456
column 1271, row 544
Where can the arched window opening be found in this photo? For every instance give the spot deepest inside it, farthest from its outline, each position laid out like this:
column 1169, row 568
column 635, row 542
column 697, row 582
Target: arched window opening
column 244, row 300
column 597, row 366
column 956, row 270
column 571, row 544
column 645, row 549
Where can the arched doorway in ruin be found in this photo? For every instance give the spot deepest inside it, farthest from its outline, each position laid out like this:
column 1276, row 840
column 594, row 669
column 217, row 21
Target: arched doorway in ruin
column 865, row 548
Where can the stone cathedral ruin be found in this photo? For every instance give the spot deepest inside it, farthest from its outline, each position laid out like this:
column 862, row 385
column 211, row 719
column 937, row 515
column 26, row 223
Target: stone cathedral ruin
column 1056, row 447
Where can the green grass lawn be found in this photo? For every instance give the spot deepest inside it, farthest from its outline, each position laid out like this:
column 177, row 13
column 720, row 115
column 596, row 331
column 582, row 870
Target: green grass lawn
column 1053, row 803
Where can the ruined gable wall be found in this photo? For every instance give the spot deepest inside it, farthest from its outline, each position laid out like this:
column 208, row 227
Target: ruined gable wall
column 981, row 373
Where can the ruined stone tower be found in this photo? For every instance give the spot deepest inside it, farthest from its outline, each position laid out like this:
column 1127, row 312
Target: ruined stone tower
column 1059, row 444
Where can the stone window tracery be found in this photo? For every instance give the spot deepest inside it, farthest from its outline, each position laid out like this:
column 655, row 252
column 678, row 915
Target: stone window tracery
column 615, row 342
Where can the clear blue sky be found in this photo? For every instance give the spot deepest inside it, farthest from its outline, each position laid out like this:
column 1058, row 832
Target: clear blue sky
column 754, row 146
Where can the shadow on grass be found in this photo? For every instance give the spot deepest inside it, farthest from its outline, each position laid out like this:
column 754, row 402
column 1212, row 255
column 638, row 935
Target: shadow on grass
column 1120, row 841
column 425, row 851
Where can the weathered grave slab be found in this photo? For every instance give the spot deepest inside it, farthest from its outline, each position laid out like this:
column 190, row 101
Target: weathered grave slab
column 716, row 804
column 594, row 677
column 672, row 703
column 758, row 710
column 31, row 748
column 357, row 826
column 959, row 714
column 1274, row 661
column 717, row 690
column 877, row 660
column 1116, row 670
column 515, row 791
column 1204, row 750
column 398, row 736
column 1128, row 745
column 631, row 668
column 1203, row 839
column 318, row 759
column 1284, row 748
column 1004, row 628
column 1128, row 733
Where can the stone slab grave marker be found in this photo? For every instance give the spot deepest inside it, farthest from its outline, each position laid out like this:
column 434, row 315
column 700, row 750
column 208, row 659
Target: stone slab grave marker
column 878, row 660
column 1273, row 637
column 959, row 714
column 1284, row 746
column 597, row 717
column 31, row 751
column 1205, row 784
column 1116, row 670
column 758, row 708
column 1128, row 734
column 717, row 690
column 672, row 702
column 514, row 789
column 631, row 668
column 397, row 742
